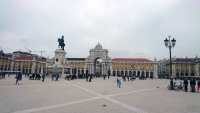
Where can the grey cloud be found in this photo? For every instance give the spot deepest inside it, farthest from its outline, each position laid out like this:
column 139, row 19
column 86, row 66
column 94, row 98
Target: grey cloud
column 23, row 40
column 126, row 28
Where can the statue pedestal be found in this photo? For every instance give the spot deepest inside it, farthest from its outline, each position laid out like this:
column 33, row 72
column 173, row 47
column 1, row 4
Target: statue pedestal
column 59, row 67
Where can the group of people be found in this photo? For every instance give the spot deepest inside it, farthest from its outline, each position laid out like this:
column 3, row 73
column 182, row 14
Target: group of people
column 56, row 76
column 88, row 76
column 192, row 85
column 70, row 77
column 35, row 76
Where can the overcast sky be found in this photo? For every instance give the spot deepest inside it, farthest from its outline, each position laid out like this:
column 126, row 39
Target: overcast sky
column 127, row 28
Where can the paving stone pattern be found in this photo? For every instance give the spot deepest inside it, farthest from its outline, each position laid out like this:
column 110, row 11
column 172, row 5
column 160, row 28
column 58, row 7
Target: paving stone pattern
column 98, row 96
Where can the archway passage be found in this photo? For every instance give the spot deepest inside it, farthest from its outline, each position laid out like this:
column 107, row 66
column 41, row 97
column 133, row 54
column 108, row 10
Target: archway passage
column 114, row 74
column 147, row 74
column 130, row 73
column 117, row 73
column 177, row 75
column 134, row 73
column 151, row 74
column 138, row 74
column 98, row 66
column 186, row 74
column 182, row 74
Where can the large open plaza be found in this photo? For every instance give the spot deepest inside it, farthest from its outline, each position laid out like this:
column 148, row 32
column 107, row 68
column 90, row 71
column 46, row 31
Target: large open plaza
column 98, row 96
column 73, row 56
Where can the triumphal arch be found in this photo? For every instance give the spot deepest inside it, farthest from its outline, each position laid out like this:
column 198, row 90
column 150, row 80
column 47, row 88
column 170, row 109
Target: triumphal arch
column 95, row 67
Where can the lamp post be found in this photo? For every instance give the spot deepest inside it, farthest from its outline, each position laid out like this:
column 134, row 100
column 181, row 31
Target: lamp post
column 170, row 44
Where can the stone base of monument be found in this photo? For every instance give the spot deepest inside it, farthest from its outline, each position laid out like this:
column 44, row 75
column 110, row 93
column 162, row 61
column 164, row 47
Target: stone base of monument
column 60, row 65
column 62, row 71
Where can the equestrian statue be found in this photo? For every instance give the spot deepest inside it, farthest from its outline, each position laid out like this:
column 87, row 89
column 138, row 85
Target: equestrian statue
column 61, row 42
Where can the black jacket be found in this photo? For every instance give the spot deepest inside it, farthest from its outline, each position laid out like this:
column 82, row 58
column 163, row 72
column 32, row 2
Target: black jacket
column 198, row 83
column 185, row 82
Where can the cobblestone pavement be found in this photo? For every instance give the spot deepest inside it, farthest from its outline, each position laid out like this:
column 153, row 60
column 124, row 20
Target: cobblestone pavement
column 98, row 96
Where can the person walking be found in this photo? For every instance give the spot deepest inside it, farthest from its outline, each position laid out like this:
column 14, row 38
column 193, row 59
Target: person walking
column 90, row 77
column 198, row 85
column 185, row 84
column 191, row 84
column 86, row 76
column 119, row 81
column 43, row 77
column 16, row 77
column 52, row 76
column 57, row 76
column 128, row 77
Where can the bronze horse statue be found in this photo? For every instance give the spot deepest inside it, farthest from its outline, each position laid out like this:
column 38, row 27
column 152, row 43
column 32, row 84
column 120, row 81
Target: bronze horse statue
column 61, row 42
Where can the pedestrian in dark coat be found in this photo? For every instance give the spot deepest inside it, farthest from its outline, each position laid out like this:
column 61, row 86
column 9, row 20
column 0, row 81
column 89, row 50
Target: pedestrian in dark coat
column 185, row 84
column 16, row 77
column 90, row 78
column 191, row 84
column 128, row 78
column 43, row 77
column 52, row 76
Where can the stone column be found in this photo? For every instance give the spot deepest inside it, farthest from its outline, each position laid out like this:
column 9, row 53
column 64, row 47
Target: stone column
column 71, row 71
column 33, row 68
column 92, row 68
column 136, row 73
column 42, row 70
column 149, row 73
column 76, row 71
column 111, row 71
column 62, row 75
column 197, row 69
column 85, row 69
column 145, row 74
column 155, row 71
column 102, row 69
column 128, row 72
column 12, row 65
column 21, row 67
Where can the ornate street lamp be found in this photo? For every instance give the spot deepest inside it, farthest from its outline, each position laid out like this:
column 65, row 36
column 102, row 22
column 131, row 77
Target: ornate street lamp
column 170, row 44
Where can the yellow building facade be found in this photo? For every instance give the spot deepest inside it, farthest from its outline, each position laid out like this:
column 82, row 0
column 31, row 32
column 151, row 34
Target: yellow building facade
column 184, row 67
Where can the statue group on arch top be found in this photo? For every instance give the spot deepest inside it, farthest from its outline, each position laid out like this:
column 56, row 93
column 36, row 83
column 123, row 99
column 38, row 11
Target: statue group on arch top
column 98, row 46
